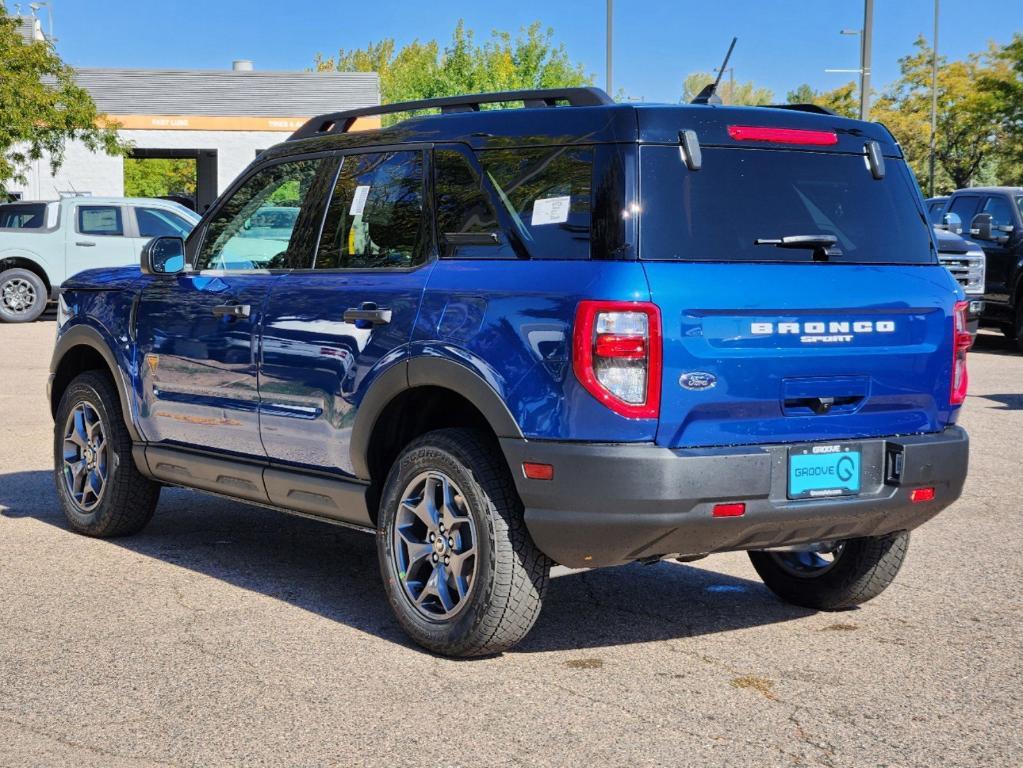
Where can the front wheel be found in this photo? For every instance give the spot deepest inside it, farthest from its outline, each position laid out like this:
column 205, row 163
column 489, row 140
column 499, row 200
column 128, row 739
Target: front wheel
column 459, row 567
column 831, row 579
column 22, row 296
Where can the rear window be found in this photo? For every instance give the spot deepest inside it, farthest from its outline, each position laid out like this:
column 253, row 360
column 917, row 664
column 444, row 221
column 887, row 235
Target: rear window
column 31, row 216
column 743, row 195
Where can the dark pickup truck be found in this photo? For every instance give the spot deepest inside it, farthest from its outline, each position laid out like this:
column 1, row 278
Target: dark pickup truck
column 993, row 216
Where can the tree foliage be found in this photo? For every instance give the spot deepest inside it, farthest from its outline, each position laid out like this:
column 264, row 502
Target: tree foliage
column 843, row 100
column 41, row 107
column 971, row 129
column 424, row 70
column 743, row 93
column 159, row 177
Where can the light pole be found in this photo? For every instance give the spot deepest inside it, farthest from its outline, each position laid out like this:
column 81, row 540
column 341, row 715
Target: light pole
column 865, row 46
column 610, row 24
column 934, row 98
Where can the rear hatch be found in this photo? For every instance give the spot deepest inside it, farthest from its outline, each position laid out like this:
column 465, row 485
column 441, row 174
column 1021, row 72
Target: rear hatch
column 821, row 341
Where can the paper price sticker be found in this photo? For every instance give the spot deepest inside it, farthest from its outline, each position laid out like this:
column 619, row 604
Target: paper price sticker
column 551, row 210
column 359, row 200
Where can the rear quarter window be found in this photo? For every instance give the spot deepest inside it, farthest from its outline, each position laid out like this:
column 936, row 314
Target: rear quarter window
column 32, row 216
column 742, row 195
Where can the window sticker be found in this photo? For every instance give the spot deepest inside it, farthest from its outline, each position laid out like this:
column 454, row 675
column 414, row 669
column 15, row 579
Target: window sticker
column 550, row 210
column 359, row 200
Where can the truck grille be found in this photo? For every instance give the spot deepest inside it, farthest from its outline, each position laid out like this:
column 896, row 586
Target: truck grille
column 967, row 269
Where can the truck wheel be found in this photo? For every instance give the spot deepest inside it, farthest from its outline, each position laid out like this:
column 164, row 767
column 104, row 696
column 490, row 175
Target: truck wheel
column 854, row 572
column 99, row 487
column 459, row 567
column 22, row 296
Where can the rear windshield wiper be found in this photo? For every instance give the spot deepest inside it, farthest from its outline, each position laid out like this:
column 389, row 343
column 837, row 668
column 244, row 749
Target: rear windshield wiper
column 824, row 246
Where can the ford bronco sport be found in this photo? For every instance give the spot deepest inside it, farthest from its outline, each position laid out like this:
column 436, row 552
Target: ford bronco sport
column 572, row 332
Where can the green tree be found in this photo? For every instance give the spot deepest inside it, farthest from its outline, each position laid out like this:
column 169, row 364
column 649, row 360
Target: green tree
column 1006, row 85
column 158, row 177
column 843, row 100
column 41, row 107
column 419, row 70
column 740, row 93
column 971, row 130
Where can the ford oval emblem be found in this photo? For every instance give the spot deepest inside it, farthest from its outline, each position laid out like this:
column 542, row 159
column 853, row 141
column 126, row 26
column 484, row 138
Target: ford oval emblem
column 697, row 380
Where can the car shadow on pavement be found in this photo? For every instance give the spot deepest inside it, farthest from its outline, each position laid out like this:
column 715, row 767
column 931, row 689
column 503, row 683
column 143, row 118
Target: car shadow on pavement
column 994, row 343
column 333, row 572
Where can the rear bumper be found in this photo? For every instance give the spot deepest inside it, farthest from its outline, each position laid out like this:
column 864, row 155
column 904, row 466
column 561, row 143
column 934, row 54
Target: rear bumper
column 611, row 504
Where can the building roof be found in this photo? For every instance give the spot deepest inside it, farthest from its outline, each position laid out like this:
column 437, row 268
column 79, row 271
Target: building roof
column 29, row 28
column 226, row 92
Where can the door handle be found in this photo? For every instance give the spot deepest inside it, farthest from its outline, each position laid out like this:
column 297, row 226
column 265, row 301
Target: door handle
column 84, row 243
column 368, row 313
column 232, row 310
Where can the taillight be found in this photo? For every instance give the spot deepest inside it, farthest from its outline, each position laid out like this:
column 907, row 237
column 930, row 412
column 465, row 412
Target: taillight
column 617, row 355
column 782, row 135
column 961, row 343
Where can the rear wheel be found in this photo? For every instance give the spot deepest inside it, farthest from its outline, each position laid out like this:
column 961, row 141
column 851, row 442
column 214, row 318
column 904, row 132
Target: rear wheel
column 22, row 296
column 460, row 570
column 100, row 489
column 847, row 574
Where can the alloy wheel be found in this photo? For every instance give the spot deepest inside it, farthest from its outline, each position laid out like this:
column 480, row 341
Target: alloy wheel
column 86, row 458
column 809, row 564
column 18, row 296
column 434, row 546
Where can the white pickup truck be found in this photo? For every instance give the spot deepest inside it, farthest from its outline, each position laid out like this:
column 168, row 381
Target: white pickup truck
column 44, row 243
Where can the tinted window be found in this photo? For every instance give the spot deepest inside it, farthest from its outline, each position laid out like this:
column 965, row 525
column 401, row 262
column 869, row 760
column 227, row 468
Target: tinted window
column 100, row 220
column 465, row 216
column 546, row 192
column 375, row 217
column 1001, row 213
column 254, row 229
column 935, row 212
column 23, row 216
column 742, row 195
column 155, row 222
column 965, row 207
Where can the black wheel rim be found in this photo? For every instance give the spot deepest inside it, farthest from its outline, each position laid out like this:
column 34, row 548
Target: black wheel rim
column 85, row 457
column 433, row 544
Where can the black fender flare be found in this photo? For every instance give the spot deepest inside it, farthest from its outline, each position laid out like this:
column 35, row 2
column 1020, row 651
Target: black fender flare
column 424, row 372
column 86, row 335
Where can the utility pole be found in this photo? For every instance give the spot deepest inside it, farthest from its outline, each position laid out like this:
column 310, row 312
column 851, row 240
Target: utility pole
column 934, row 98
column 865, row 45
column 610, row 22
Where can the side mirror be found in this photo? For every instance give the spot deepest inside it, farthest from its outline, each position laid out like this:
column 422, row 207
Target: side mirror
column 163, row 256
column 953, row 223
column 981, row 227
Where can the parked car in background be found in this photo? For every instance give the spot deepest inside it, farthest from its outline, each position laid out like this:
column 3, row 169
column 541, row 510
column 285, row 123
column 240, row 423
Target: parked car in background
column 43, row 243
column 936, row 209
column 966, row 261
column 993, row 216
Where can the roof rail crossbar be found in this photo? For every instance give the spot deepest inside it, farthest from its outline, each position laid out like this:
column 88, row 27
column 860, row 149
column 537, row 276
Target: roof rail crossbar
column 341, row 122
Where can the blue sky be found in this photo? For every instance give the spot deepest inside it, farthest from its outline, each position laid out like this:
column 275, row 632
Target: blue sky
column 657, row 42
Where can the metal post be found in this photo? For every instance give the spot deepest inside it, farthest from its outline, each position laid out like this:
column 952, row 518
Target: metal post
column 610, row 17
column 934, row 98
column 865, row 43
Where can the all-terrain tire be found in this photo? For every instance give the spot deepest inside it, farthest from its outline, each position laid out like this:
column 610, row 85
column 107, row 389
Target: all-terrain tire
column 511, row 574
column 862, row 571
column 23, row 296
column 127, row 498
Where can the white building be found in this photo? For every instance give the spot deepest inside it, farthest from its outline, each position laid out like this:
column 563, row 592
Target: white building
column 221, row 118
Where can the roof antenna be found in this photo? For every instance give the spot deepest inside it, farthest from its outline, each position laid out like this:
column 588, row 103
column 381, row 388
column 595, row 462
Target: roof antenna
column 709, row 93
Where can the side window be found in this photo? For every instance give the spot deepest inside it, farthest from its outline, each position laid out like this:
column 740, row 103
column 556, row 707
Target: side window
column 155, row 222
column 467, row 225
column 100, row 220
column 547, row 193
column 253, row 229
column 965, row 207
column 936, row 212
column 375, row 218
column 1001, row 213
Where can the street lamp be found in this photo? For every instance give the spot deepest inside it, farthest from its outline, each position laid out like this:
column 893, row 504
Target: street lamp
column 610, row 24
column 866, row 36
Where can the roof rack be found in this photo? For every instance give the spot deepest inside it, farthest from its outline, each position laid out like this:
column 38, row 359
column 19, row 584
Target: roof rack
column 815, row 108
column 341, row 122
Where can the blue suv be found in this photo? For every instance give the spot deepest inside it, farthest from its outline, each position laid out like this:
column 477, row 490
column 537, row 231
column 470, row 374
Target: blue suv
column 572, row 332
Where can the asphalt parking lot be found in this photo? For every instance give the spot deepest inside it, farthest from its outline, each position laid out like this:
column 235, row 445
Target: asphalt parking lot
column 229, row 634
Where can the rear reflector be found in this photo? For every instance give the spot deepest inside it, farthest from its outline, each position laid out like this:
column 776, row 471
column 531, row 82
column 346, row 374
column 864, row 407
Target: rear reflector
column 918, row 495
column 729, row 510
column 782, row 135
column 535, row 471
